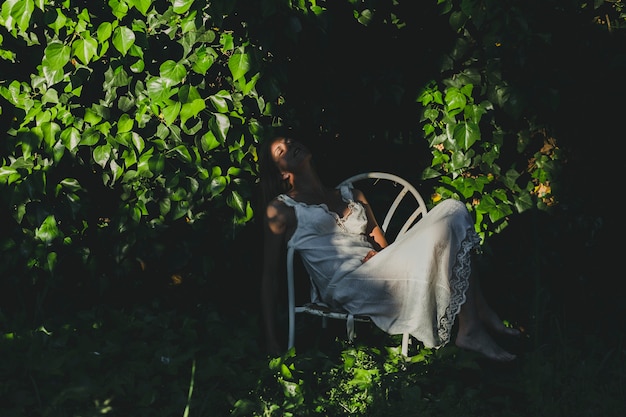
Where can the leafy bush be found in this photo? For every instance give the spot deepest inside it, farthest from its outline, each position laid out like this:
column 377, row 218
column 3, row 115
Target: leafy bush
column 131, row 141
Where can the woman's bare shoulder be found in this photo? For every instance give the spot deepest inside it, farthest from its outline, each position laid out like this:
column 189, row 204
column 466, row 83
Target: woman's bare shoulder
column 277, row 203
column 279, row 216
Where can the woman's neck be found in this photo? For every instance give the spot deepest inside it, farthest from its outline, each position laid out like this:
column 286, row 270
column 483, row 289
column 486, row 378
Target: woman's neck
column 308, row 185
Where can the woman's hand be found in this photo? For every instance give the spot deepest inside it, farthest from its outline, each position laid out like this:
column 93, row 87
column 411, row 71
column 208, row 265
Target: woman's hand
column 369, row 255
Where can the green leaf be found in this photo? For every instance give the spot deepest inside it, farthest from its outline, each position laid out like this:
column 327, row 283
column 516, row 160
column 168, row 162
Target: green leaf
column 21, row 12
column 220, row 101
column 460, row 160
column 138, row 66
column 51, row 261
column 136, row 50
column 70, row 184
column 122, row 138
column 192, row 109
column 285, row 372
column 181, row 6
column 179, row 194
column 92, row 117
column 194, row 128
column 135, row 214
column 116, row 170
column 217, row 185
column 500, row 194
column 101, row 154
column 467, row 90
column 494, row 210
column 59, row 22
column 5, row 14
column 247, row 215
column 52, row 76
column 56, row 56
column 227, row 41
column 143, row 165
column 138, row 142
column 123, row 39
column 30, row 142
column 455, row 101
column 466, row 134
column 502, row 210
column 125, row 124
column 5, row 174
column 209, row 141
column 203, row 59
column 239, row 65
column 172, row 72
column 190, row 30
column 220, row 125
column 85, row 49
column 48, row 231
column 50, row 131
column 522, row 202
column 183, row 153
column 165, row 205
column 70, row 138
column 51, row 96
column 116, row 77
column 130, row 158
column 158, row 90
column 170, row 113
column 249, row 86
column 465, row 186
column 242, row 208
column 193, row 186
column 510, row 179
column 141, row 5
column 90, row 137
column 104, row 31
column 188, row 93
column 476, row 111
column 180, row 209
column 118, row 8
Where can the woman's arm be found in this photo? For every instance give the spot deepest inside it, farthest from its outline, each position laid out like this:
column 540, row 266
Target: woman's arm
column 374, row 232
column 278, row 219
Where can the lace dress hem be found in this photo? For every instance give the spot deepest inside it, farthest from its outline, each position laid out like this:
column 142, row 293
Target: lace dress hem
column 459, row 284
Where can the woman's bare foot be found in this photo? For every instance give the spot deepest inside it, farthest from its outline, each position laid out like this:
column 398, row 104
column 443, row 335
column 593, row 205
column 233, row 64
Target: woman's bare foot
column 478, row 340
column 493, row 322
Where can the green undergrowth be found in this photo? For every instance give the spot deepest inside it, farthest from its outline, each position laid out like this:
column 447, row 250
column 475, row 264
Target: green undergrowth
column 146, row 363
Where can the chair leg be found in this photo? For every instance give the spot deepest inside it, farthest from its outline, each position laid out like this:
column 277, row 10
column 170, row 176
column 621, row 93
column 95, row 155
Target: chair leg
column 405, row 345
column 350, row 328
column 291, row 340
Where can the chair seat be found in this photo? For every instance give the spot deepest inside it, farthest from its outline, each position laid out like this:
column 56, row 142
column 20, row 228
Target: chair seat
column 325, row 311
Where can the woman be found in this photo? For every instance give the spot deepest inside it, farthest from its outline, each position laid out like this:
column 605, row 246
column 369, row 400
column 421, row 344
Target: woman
column 420, row 284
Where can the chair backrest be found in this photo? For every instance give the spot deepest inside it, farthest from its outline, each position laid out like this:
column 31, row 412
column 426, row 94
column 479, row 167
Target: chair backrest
column 392, row 195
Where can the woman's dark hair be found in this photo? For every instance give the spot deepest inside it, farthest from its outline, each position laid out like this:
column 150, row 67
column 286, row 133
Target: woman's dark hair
column 272, row 183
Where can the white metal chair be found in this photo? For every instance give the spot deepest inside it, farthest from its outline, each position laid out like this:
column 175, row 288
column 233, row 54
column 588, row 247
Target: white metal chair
column 403, row 207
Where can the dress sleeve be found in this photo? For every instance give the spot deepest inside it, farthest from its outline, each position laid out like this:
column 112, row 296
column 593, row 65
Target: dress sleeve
column 286, row 199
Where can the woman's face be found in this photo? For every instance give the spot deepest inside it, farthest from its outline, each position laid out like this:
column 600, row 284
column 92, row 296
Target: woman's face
column 289, row 155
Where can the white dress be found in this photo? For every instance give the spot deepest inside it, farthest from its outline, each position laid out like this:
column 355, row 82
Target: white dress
column 417, row 284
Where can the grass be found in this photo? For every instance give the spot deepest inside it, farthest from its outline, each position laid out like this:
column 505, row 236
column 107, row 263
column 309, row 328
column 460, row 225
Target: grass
column 185, row 357
column 143, row 362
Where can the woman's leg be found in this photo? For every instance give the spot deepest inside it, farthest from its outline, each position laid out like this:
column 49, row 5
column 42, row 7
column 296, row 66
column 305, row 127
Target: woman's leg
column 490, row 318
column 473, row 318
